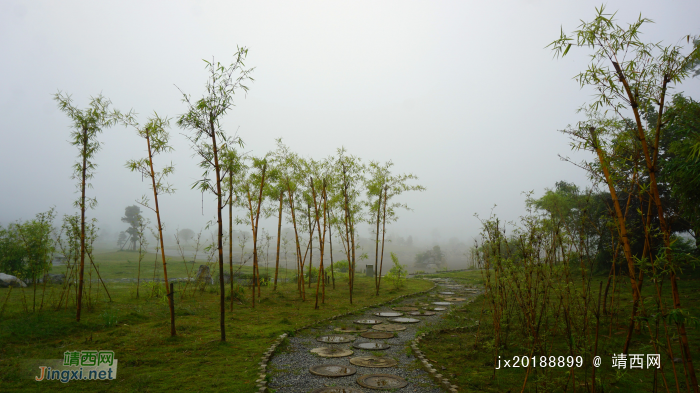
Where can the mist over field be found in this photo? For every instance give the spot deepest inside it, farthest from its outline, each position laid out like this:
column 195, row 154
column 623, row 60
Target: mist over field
column 240, row 196
column 464, row 96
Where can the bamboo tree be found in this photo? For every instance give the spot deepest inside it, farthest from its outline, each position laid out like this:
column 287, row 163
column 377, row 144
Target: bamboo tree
column 384, row 186
column 35, row 236
column 322, row 237
column 203, row 117
column 279, row 233
column 86, row 124
column 157, row 138
column 631, row 75
column 253, row 215
column 287, row 162
column 351, row 171
column 234, row 170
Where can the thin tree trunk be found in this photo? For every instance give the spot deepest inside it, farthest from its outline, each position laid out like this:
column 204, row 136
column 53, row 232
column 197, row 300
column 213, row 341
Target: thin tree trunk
column 330, row 244
column 230, row 233
column 160, row 233
column 257, row 218
column 279, row 237
column 311, row 242
column 620, row 218
column 43, row 290
column 325, row 222
column 347, row 235
column 220, row 235
column 381, row 262
column 300, row 275
column 82, row 227
column 9, row 291
column 322, row 239
column 100, row 277
column 255, row 253
column 597, row 326
column 376, row 248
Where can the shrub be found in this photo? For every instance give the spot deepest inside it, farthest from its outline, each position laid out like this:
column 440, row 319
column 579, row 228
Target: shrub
column 397, row 274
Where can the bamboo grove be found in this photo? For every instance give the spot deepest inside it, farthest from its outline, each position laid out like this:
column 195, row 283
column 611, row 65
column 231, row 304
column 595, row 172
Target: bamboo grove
column 323, row 200
column 539, row 277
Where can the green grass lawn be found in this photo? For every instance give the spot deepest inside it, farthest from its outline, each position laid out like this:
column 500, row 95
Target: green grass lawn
column 473, row 368
column 137, row 330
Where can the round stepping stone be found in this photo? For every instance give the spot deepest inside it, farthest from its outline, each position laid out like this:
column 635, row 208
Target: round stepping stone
column 335, row 339
column 337, row 389
column 372, row 346
column 388, row 314
column 350, row 329
column 446, row 293
column 381, row 381
column 332, row 370
column 455, row 299
column 422, row 313
column 373, row 361
column 377, row 335
column 435, row 308
column 404, row 320
column 388, row 327
column 369, row 321
column 326, row 352
column 442, row 303
column 405, row 309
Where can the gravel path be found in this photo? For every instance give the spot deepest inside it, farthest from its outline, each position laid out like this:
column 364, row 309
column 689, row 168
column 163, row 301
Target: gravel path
column 289, row 366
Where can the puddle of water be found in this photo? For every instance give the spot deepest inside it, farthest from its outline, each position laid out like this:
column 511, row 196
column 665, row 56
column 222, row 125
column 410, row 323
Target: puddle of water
column 405, row 320
column 388, row 314
column 372, row 346
column 334, row 339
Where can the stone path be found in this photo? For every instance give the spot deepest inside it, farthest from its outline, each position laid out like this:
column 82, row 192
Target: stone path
column 334, row 356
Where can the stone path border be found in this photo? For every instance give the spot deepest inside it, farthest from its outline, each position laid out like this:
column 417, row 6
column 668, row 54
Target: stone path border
column 261, row 382
column 439, row 378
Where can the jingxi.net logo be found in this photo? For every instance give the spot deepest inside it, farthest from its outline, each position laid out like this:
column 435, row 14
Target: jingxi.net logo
column 80, row 365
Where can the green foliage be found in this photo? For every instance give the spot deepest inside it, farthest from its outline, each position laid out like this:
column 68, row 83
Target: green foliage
column 341, row 266
column 26, row 248
column 203, row 117
column 397, row 274
column 132, row 216
column 87, row 124
column 157, row 140
column 432, row 256
column 680, row 162
column 617, row 51
column 238, row 293
column 12, row 254
column 109, row 318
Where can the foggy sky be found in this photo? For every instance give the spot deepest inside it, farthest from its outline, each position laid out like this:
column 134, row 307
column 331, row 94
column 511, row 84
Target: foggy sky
column 462, row 94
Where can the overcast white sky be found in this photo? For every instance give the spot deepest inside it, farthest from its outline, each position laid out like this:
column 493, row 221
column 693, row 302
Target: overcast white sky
column 462, row 94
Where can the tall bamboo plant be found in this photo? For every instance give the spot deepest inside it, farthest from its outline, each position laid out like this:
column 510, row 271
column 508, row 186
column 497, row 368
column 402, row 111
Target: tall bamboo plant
column 157, row 139
column 289, row 169
column 350, row 172
column 203, row 118
column 87, row 124
column 254, row 192
column 629, row 76
column 381, row 187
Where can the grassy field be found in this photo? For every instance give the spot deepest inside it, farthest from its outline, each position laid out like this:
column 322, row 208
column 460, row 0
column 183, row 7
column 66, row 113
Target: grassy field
column 473, row 367
column 137, row 330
